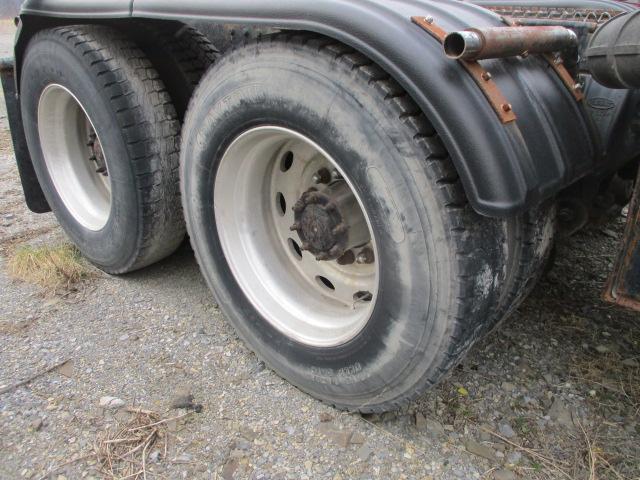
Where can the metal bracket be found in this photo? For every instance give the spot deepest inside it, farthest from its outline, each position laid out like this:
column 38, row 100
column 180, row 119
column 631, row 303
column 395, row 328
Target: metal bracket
column 481, row 76
column 565, row 76
column 556, row 62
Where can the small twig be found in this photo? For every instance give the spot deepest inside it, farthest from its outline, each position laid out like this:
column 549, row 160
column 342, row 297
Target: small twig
column 140, row 410
column 542, row 458
column 144, row 459
column 592, row 456
column 121, row 440
column 166, row 420
column 58, row 467
column 32, row 378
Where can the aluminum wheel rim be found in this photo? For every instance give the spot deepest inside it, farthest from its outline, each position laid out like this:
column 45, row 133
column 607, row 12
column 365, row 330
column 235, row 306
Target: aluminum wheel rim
column 74, row 157
column 282, row 283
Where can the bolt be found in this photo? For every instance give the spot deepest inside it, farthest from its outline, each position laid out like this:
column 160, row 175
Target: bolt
column 524, row 54
column 506, row 107
column 322, row 256
column 335, row 174
column 577, row 87
column 295, row 227
column 429, row 20
column 558, row 61
column 486, row 76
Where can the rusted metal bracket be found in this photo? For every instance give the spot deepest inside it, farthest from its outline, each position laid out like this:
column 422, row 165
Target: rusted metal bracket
column 556, row 64
column 481, row 76
column 565, row 76
column 623, row 286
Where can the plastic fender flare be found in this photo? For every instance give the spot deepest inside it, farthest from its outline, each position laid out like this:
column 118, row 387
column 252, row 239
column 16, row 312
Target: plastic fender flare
column 504, row 168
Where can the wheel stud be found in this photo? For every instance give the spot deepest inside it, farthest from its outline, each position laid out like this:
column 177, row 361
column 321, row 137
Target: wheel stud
column 295, row 227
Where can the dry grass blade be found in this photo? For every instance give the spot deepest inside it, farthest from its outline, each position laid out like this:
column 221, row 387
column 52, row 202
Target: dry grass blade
column 51, row 267
column 124, row 452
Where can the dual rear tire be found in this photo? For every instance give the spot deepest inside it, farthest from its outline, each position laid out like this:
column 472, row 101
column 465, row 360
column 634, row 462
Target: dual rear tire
column 323, row 209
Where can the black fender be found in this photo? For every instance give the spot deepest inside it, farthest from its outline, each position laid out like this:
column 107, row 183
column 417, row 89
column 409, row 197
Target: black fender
column 505, row 168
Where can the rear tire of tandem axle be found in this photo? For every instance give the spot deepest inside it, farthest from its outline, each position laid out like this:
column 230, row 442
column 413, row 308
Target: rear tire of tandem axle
column 329, row 221
column 104, row 138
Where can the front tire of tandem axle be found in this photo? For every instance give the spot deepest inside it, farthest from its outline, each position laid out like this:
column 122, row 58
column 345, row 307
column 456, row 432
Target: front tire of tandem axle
column 104, row 139
column 293, row 135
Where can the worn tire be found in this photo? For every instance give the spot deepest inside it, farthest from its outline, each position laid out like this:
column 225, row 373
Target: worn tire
column 180, row 56
column 444, row 266
column 136, row 123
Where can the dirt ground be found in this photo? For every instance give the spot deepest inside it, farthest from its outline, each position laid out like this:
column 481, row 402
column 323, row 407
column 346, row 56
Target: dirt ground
column 554, row 393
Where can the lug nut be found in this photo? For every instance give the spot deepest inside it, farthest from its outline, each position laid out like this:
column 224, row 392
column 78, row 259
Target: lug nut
column 322, row 176
column 365, row 256
column 295, row 227
column 347, row 258
column 335, row 174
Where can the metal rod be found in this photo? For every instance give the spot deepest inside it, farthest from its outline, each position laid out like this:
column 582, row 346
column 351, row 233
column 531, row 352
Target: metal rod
column 500, row 42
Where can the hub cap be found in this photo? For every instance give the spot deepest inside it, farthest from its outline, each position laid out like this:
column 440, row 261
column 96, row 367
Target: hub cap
column 295, row 236
column 74, row 157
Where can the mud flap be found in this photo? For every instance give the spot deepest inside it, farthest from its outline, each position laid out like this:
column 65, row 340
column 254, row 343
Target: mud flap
column 31, row 187
column 623, row 286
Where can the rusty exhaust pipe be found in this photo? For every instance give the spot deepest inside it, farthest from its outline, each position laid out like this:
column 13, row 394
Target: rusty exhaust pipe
column 501, row 42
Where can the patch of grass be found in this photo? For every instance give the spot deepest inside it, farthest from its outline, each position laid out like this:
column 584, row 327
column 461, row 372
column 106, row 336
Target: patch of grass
column 50, row 267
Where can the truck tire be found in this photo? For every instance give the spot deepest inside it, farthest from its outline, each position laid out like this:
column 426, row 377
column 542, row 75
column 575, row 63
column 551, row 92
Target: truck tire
column 367, row 336
column 180, row 56
column 104, row 139
column 531, row 242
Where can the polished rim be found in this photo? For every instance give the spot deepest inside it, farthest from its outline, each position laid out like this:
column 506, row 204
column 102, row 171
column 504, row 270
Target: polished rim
column 74, row 157
column 296, row 236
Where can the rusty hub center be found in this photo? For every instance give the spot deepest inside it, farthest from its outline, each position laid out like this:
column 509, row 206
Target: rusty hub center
column 320, row 225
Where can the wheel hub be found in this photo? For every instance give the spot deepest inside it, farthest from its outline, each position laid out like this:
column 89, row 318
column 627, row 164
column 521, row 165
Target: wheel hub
column 330, row 222
column 320, row 225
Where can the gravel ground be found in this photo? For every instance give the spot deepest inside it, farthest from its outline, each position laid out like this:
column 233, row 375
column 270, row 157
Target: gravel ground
column 554, row 393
